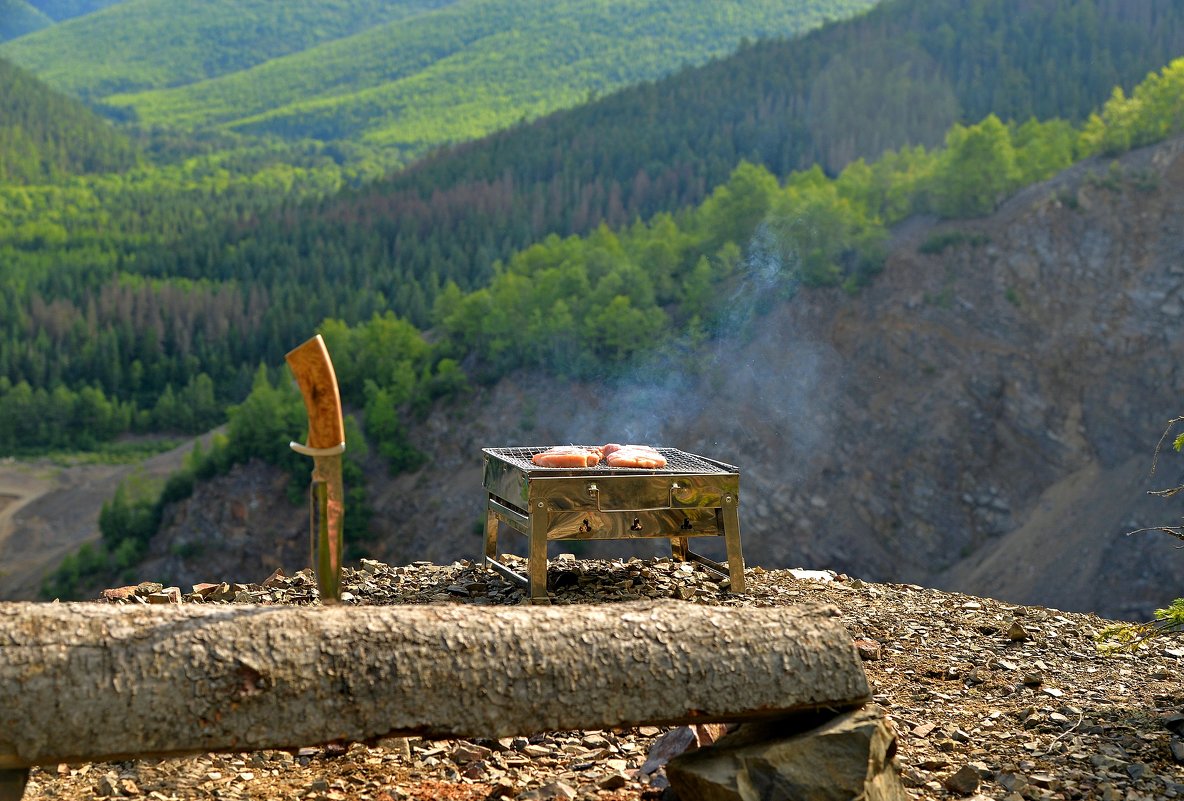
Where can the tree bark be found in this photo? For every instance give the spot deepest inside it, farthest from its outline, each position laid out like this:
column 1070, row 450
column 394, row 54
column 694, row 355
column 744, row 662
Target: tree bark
column 90, row 682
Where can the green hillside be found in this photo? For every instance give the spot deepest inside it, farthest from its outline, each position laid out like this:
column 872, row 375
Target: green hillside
column 149, row 44
column 46, row 136
column 423, row 74
column 900, row 75
column 472, row 67
column 17, row 18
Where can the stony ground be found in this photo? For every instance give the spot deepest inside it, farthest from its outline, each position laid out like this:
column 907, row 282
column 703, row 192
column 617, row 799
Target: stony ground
column 989, row 700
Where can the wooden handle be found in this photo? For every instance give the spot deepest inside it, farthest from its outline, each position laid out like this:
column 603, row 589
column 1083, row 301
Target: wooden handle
column 314, row 374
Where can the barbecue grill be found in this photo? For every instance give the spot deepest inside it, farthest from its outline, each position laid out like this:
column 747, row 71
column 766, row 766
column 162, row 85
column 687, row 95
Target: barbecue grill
column 693, row 496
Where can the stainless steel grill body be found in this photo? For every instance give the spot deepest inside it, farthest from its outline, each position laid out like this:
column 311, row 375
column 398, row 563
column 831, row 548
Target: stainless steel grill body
column 693, row 496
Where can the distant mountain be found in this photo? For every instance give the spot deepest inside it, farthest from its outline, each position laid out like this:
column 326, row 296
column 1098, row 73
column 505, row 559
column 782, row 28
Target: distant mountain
column 398, row 77
column 45, row 135
column 59, row 10
column 18, row 17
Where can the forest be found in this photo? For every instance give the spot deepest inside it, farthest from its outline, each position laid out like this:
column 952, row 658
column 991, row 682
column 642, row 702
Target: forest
column 187, row 256
column 156, row 293
column 385, row 82
column 585, row 306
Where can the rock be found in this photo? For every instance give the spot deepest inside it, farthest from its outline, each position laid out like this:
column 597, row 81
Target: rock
column 963, row 782
column 782, row 759
column 1012, row 782
column 108, row 784
column 1173, row 722
column 668, row 746
column 118, row 593
column 1017, row 632
column 614, row 781
column 812, row 575
column 924, row 730
column 594, row 740
column 552, row 791
column 869, row 650
column 1177, row 748
column 1045, row 781
column 222, row 592
column 465, row 752
column 708, row 733
column 398, row 745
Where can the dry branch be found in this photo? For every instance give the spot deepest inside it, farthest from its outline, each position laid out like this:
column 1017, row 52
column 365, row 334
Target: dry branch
column 86, row 682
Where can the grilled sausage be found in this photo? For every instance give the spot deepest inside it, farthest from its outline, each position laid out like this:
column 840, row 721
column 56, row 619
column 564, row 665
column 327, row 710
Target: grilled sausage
column 635, row 456
column 566, row 456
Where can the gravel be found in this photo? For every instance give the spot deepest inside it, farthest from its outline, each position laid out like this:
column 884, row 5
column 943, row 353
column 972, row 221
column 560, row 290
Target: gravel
column 989, row 699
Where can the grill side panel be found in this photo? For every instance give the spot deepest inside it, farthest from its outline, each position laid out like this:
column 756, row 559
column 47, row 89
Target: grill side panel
column 506, row 482
column 632, row 493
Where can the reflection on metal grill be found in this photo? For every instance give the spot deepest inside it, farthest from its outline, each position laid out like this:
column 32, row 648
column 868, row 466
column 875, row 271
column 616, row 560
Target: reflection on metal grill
column 693, row 496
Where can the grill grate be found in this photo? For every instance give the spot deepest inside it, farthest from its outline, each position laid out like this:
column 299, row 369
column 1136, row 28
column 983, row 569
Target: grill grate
column 676, row 462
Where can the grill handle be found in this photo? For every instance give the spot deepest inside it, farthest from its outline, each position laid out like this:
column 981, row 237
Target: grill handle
column 594, row 491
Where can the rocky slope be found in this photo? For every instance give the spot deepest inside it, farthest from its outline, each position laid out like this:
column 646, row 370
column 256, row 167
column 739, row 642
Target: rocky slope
column 988, row 700
column 982, row 417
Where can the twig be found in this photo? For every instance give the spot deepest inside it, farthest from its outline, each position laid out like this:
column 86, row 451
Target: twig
column 1066, row 732
column 1175, row 531
column 1159, row 445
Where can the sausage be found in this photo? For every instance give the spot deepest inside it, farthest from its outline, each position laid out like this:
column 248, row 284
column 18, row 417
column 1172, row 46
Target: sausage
column 566, row 456
column 636, row 456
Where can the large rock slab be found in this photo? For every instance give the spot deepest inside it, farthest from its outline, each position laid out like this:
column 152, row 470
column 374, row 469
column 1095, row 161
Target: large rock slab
column 805, row 758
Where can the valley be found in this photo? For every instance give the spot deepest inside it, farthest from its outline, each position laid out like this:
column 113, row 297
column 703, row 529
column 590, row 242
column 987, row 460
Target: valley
column 938, row 351
column 932, row 430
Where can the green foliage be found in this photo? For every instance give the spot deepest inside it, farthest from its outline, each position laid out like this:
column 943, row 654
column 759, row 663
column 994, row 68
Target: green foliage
column 1128, row 636
column 940, row 241
column 828, row 237
column 978, row 170
column 46, row 136
column 384, row 424
column 1153, row 112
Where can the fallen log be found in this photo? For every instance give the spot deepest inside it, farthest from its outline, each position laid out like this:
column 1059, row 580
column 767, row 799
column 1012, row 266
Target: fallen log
column 90, row 682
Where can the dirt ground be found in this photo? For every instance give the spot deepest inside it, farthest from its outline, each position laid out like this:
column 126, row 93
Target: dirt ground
column 49, row 508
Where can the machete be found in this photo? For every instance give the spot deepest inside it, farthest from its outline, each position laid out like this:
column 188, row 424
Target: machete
column 314, row 375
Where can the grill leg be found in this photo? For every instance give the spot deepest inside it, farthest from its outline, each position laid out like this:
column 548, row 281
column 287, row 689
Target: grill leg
column 732, row 542
column 12, row 783
column 537, row 566
column 490, row 532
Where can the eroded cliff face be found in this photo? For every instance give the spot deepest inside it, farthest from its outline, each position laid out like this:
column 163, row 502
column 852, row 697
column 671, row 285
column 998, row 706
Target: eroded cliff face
column 981, row 418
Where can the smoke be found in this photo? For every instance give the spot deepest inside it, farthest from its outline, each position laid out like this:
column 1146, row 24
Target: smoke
column 754, row 387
